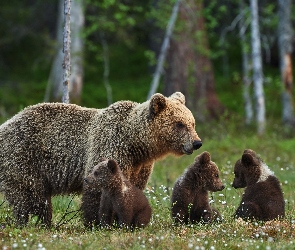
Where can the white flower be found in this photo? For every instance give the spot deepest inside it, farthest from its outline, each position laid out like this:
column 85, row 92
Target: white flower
column 270, row 239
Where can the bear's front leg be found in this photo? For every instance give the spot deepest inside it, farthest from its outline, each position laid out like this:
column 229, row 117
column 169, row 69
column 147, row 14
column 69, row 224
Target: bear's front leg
column 106, row 211
column 44, row 212
column 210, row 215
column 143, row 217
column 124, row 218
column 141, row 176
column 90, row 205
column 29, row 197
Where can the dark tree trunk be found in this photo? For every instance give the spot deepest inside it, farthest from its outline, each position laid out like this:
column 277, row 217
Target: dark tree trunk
column 189, row 66
column 285, row 33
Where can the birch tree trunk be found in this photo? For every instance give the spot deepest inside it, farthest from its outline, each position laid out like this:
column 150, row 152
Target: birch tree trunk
column 54, row 88
column 245, row 66
column 285, row 35
column 67, row 51
column 257, row 68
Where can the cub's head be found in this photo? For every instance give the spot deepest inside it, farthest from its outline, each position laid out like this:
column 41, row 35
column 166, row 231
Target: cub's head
column 173, row 124
column 208, row 173
column 249, row 170
column 103, row 173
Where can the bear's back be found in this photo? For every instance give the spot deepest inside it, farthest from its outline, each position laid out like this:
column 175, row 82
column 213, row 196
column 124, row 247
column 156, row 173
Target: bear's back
column 47, row 137
column 268, row 195
column 263, row 191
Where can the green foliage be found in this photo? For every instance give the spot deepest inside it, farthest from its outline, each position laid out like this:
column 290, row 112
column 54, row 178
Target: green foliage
column 115, row 19
column 159, row 13
column 131, row 68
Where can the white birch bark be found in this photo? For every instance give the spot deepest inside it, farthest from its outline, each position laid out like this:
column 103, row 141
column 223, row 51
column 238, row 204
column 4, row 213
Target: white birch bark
column 164, row 48
column 285, row 34
column 257, row 68
column 246, row 66
column 67, row 51
column 54, row 89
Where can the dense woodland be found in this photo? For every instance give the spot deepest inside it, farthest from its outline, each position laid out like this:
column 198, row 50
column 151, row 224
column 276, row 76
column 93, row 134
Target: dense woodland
column 211, row 57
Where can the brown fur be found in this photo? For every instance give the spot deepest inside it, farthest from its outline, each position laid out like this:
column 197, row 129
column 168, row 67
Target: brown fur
column 119, row 199
column 263, row 197
column 190, row 202
column 48, row 148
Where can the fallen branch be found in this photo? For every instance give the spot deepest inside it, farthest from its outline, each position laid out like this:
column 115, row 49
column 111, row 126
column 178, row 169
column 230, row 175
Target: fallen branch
column 62, row 221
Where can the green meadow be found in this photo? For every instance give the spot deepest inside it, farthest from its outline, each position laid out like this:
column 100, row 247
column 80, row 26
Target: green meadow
column 225, row 141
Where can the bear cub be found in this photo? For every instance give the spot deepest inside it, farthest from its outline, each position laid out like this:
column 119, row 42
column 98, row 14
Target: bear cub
column 121, row 201
column 190, row 202
column 263, row 197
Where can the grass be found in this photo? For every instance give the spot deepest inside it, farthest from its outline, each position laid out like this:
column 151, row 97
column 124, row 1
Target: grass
column 226, row 142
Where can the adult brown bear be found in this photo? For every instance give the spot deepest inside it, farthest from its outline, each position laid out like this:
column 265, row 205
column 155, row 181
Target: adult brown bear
column 47, row 149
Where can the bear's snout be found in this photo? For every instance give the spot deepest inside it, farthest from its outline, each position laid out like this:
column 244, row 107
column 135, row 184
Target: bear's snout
column 218, row 187
column 197, row 144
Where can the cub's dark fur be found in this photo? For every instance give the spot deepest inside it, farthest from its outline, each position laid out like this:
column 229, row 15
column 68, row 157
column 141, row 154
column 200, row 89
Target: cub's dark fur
column 190, row 202
column 120, row 200
column 263, row 197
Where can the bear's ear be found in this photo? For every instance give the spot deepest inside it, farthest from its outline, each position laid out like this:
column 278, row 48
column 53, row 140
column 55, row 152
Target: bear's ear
column 250, row 151
column 204, row 158
column 178, row 96
column 157, row 104
column 248, row 160
column 112, row 165
column 102, row 159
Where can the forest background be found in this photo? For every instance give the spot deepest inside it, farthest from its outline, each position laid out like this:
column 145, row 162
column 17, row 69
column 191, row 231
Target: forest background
column 115, row 46
column 212, row 59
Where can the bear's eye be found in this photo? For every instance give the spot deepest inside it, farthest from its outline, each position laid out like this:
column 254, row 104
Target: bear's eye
column 216, row 175
column 95, row 173
column 180, row 125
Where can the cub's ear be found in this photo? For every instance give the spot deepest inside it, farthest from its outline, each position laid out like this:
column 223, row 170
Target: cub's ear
column 102, row 159
column 113, row 166
column 203, row 158
column 250, row 151
column 248, row 160
column 178, row 96
column 157, row 104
